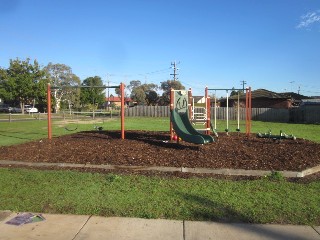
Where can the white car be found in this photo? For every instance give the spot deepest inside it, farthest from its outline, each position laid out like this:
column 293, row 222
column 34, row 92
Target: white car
column 30, row 109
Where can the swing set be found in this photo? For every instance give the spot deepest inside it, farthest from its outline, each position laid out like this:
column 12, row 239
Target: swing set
column 49, row 87
column 248, row 107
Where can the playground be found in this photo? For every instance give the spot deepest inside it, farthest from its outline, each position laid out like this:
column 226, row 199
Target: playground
column 181, row 147
column 148, row 148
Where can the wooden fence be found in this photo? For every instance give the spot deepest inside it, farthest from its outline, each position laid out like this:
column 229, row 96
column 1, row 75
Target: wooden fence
column 307, row 114
column 148, row 111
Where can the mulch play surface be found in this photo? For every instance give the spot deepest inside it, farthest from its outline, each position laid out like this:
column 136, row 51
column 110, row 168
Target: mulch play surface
column 142, row 148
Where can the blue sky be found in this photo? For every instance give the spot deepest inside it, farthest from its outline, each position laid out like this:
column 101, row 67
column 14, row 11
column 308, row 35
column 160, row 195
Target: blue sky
column 271, row 44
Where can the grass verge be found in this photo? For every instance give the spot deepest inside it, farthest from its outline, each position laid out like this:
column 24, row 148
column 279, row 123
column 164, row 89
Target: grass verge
column 71, row 192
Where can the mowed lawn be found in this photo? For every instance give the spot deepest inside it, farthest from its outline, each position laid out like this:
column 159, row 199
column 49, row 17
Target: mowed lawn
column 266, row 200
column 71, row 192
column 22, row 131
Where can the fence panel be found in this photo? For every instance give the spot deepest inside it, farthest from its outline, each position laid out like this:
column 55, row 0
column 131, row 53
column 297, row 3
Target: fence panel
column 312, row 114
column 307, row 114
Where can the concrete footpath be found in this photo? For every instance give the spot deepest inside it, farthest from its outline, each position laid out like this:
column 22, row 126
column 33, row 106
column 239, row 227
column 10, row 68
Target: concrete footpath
column 78, row 227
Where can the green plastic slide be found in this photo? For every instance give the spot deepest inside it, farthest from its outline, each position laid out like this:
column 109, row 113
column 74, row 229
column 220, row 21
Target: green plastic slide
column 185, row 130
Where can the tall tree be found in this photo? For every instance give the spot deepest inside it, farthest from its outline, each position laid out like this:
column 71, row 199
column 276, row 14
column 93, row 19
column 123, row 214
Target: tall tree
column 166, row 87
column 4, row 94
column 152, row 97
column 92, row 95
column 234, row 92
column 143, row 93
column 60, row 75
column 133, row 84
column 22, row 82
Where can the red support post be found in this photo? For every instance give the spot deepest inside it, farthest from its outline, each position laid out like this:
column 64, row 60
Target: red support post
column 248, row 111
column 49, row 111
column 122, row 110
column 171, row 109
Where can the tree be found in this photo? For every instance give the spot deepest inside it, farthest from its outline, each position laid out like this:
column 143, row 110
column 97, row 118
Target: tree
column 233, row 92
column 166, row 87
column 138, row 95
column 152, row 97
column 92, row 96
column 23, row 82
column 60, row 75
column 143, row 93
column 3, row 79
column 133, row 84
column 117, row 91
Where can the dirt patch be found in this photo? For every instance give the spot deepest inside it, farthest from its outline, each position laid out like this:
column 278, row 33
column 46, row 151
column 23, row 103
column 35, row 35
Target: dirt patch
column 143, row 148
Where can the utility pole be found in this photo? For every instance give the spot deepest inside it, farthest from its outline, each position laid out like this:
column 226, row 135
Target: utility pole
column 108, row 81
column 243, row 83
column 175, row 69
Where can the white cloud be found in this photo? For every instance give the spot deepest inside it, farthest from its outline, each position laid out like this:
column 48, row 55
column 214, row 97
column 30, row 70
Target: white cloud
column 308, row 19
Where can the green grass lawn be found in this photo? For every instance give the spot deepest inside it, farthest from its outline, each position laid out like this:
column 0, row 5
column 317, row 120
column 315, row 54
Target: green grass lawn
column 255, row 201
column 18, row 132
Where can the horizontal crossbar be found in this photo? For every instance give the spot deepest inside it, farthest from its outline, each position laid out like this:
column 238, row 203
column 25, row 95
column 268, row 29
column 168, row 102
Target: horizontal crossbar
column 63, row 87
column 225, row 89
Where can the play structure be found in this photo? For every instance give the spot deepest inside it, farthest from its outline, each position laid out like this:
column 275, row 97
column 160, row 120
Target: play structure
column 180, row 124
column 186, row 115
column 199, row 112
column 49, row 87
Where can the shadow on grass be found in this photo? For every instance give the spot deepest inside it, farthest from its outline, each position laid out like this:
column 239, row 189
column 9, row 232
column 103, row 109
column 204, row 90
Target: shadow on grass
column 20, row 135
column 204, row 209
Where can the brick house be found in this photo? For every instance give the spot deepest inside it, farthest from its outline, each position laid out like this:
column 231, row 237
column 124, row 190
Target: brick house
column 117, row 101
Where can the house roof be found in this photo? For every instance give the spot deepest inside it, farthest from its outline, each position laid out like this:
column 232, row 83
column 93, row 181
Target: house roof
column 117, row 99
column 295, row 96
column 261, row 93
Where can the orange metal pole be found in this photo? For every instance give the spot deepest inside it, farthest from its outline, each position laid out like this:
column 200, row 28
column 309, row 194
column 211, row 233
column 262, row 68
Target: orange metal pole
column 247, row 111
column 171, row 109
column 250, row 110
column 122, row 110
column 49, row 111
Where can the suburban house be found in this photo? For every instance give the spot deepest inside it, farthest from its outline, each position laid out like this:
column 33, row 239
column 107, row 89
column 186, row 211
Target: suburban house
column 262, row 98
column 117, row 101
